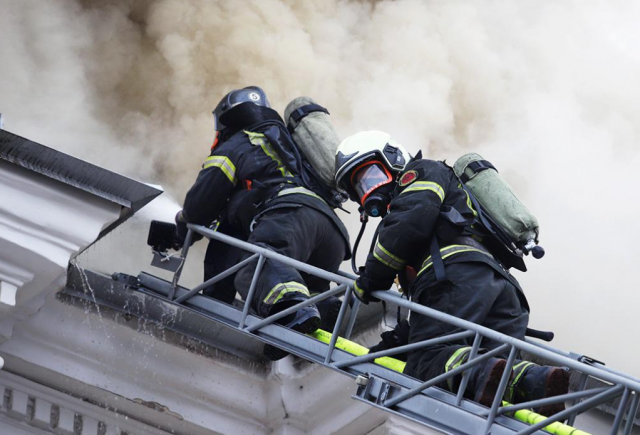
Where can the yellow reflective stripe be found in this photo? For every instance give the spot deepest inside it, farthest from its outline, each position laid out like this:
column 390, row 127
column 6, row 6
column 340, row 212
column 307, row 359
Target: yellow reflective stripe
column 517, row 372
column 456, row 361
column 398, row 259
column 255, row 138
column 224, row 163
column 278, row 291
column 259, row 139
column 426, row 185
column 387, row 258
column 357, row 289
column 469, row 203
column 381, row 260
column 300, row 190
column 448, row 252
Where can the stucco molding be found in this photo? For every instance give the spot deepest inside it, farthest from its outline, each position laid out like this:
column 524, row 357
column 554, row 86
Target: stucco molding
column 43, row 224
column 46, row 410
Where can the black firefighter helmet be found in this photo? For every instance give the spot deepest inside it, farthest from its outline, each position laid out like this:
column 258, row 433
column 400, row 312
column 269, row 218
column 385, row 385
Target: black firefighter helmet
column 250, row 94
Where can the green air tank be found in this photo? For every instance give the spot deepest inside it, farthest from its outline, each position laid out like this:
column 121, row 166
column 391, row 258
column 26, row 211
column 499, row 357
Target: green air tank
column 498, row 199
column 315, row 136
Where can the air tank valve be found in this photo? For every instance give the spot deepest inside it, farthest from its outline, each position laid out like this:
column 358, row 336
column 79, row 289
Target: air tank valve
column 536, row 251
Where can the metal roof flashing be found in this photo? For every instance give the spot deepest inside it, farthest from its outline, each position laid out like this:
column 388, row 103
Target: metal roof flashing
column 130, row 194
column 177, row 325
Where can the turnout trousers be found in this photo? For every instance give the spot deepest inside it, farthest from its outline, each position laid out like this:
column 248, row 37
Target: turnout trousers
column 473, row 291
column 301, row 233
column 220, row 257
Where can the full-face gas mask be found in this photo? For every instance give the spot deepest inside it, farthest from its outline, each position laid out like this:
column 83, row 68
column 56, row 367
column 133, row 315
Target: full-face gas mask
column 366, row 166
column 373, row 183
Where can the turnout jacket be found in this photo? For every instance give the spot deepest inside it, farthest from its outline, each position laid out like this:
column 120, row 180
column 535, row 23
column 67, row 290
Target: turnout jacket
column 243, row 177
column 428, row 202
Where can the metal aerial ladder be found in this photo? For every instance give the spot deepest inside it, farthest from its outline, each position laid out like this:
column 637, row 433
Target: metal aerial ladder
column 379, row 383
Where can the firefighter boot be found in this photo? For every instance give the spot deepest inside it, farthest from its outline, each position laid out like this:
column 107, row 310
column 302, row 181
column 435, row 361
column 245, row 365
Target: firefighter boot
column 306, row 320
column 329, row 309
column 532, row 382
column 484, row 381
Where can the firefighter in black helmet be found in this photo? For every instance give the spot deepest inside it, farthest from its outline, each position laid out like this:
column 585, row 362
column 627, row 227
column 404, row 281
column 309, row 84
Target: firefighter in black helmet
column 427, row 230
column 250, row 186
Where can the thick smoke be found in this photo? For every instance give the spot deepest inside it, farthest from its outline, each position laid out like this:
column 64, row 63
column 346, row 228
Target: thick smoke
column 546, row 90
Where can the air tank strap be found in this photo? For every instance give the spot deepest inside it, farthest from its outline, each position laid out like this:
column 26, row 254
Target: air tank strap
column 301, row 112
column 477, row 166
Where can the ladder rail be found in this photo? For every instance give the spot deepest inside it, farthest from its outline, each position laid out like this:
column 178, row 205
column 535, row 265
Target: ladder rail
column 582, row 358
column 621, row 383
column 533, row 348
column 406, row 348
column 336, row 327
column 314, row 350
column 252, row 290
column 269, row 320
column 465, row 376
column 445, row 376
column 632, row 414
column 552, row 400
column 593, row 402
column 504, row 380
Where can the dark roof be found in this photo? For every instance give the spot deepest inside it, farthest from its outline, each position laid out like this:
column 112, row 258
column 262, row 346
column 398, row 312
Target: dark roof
column 130, row 194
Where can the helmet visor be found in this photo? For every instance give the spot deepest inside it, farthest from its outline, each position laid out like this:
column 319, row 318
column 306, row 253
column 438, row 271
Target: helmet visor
column 217, row 125
column 368, row 177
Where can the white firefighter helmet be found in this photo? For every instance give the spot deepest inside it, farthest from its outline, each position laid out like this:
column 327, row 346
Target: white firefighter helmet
column 357, row 151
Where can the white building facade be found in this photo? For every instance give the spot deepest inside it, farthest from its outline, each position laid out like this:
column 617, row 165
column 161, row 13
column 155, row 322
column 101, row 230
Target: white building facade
column 86, row 359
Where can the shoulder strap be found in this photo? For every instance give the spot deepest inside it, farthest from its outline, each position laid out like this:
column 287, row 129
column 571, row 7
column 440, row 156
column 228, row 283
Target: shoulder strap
column 436, row 259
column 294, row 159
column 510, row 257
column 486, row 220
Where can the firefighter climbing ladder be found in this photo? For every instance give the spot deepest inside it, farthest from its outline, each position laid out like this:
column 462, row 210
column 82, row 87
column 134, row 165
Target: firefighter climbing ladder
column 391, row 391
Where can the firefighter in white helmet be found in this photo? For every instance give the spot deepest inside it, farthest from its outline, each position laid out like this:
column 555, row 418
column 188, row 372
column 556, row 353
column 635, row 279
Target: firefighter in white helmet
column 429, row 227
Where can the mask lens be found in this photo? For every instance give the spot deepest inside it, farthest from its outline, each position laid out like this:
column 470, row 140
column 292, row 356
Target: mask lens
column 368, row 178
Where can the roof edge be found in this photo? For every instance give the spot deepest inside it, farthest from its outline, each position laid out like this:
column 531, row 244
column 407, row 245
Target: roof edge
column 75, row 172
column 130, row 194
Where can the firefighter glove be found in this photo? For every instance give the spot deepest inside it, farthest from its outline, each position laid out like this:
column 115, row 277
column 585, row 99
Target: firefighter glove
column 181, row 231
column 361, row 289
column 360, row 293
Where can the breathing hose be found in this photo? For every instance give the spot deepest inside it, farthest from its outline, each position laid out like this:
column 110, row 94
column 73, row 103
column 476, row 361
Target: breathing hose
column 363, row 221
